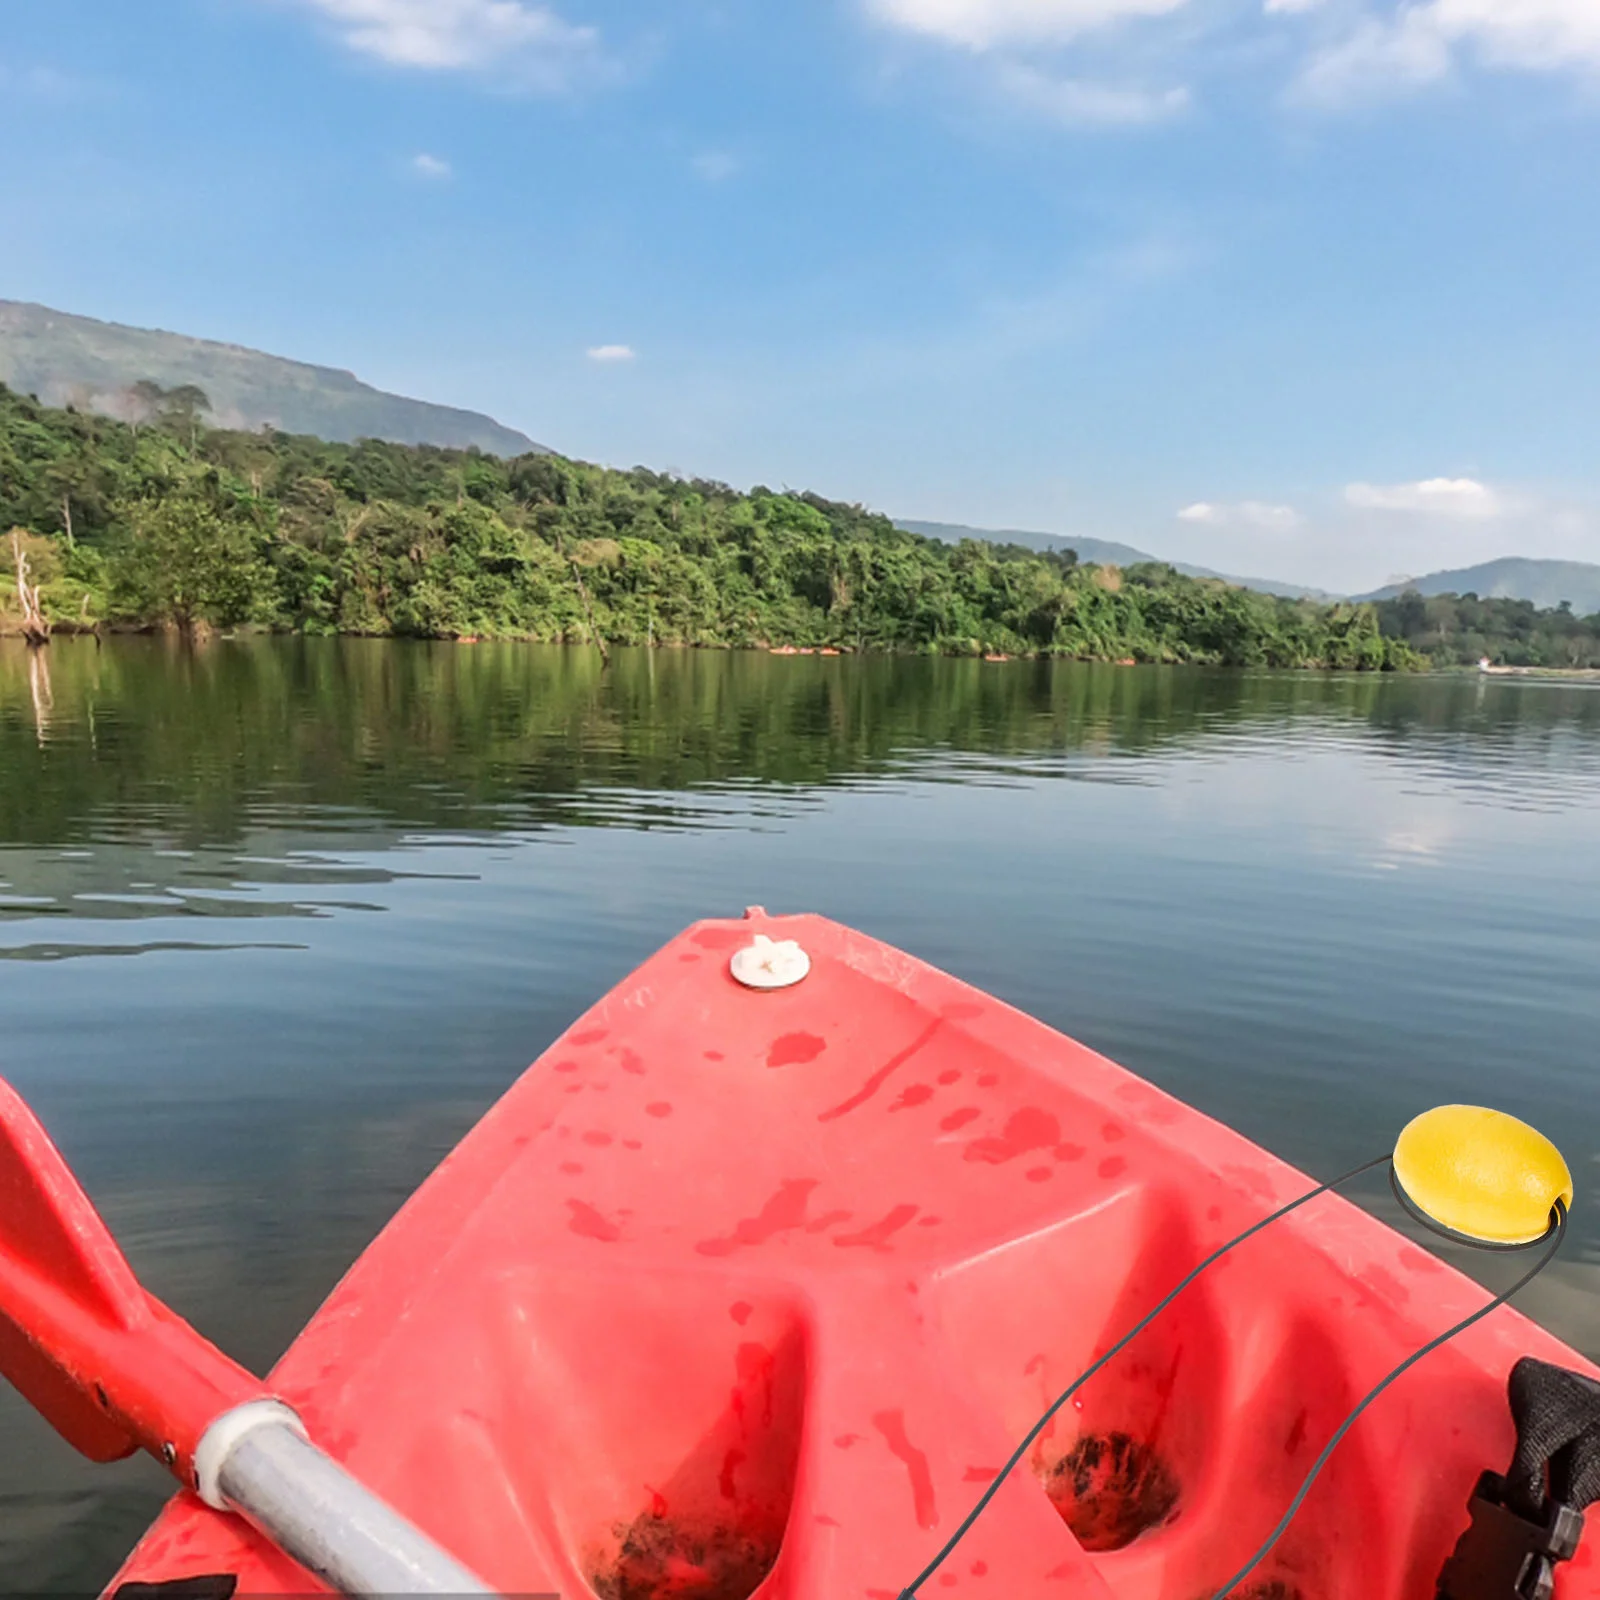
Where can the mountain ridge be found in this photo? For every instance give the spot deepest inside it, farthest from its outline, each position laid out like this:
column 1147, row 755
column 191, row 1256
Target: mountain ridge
column 1546, row 583
column 66, row 359
column 1102, row 552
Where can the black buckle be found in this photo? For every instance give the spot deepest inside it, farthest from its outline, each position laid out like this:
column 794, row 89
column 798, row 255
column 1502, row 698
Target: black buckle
column 1503, row 1555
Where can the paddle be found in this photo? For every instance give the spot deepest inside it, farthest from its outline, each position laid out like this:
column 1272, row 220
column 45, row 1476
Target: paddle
column 113, row 1371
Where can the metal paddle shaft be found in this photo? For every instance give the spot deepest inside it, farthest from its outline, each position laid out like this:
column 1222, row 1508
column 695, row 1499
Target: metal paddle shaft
column 257, row 1460
column 113, row 1370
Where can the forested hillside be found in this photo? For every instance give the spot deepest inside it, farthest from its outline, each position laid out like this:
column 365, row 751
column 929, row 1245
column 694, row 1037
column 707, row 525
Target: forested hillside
column 173, row 524
column 106, row 367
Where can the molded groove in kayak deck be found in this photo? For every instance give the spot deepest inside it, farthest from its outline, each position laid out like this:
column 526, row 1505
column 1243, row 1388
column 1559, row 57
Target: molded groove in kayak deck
column 1122, row 1462
column 672, row 1465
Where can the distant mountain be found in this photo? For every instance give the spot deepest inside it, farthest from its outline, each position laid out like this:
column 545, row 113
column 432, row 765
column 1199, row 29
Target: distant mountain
column 1100, row 552
column 1545, row 583
column 68, row 360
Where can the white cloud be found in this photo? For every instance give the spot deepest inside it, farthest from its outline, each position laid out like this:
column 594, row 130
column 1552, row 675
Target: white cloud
column 434, row 168
column 1289, row 7
column 1419, row 44
column 1375, row 59
column 716, row 166
column 611, row 352
column 1074, row 101
column 1258, row 514
column 525, row 43
column 984, row 24
column 1442, row 497
column 1525, row 33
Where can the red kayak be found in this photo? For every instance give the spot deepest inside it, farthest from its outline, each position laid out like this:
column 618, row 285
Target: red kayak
column 755, row 1279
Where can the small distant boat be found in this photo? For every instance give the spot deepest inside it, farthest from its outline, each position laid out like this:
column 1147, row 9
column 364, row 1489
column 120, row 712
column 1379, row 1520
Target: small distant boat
column 996, row 655
column 753, row 1281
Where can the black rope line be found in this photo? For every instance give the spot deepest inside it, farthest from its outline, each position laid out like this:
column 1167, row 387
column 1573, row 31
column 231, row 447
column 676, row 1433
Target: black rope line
column 910, row 1591
column 1555, row 1233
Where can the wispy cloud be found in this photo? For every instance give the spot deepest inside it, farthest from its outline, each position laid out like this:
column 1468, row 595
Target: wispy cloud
column 1258, row 514
column 514, row 41
column 1410, row 45
column 1080, row 102
column 986, row 24
column 50, row 85
column 1374, row 60
column 1441, row 497
column 612, row 352
column 434, row 168
column 716, row 166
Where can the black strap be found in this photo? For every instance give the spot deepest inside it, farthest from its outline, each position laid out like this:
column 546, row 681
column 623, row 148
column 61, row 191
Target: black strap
column 1557, row 1414
column 1529, row 1521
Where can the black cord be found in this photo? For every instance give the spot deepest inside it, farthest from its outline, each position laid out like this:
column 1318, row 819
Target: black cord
column 909, row 1593
column 1555, row 1233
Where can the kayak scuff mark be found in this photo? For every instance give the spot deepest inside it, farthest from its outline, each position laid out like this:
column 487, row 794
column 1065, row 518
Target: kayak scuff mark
column 1112, row 1167
column 1069, row 1152
column 876, row 1235
column 754, row 1363
column 913, row 1095
column 795, row 1049
column 1252, row 1180
column 783, row 1213
column 980, row 1474
column 1383, row 1283
column 827, row 1220
column 1416, row 1260
column 1297, row 1433
column 731, row 1463
column 1031, row 1128
column 949, row 1076
column 740, row 1311
column 823, row 1518
column 631, row 1061
column 588, row 1223
column 882, row 1075
column 892, row 1425
column 959, row 1118
column 589, row 1036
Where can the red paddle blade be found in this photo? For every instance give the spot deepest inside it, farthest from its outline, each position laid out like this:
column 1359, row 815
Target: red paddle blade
column 53, row 1245
column 106, row 1365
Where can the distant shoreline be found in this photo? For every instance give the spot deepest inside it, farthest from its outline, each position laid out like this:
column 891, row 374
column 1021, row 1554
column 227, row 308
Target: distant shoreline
column 1563, row 674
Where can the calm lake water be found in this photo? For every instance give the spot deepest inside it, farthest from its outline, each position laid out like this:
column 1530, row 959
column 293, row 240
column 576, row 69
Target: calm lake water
column 280, row 919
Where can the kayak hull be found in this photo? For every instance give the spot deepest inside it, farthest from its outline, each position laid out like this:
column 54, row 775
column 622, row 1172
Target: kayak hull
column 739, row 1290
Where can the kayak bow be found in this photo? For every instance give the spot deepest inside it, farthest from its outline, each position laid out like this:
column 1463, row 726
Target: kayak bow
column 757, row 1276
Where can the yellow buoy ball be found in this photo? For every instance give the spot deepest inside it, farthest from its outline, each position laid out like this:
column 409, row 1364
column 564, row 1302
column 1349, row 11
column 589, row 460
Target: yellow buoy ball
column 1481, row 1173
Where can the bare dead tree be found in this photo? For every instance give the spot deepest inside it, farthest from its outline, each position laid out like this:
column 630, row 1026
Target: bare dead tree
column 583, row 595
column 34, row 627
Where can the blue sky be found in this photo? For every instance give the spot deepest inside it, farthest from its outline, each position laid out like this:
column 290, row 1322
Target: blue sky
column 1303, row 288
